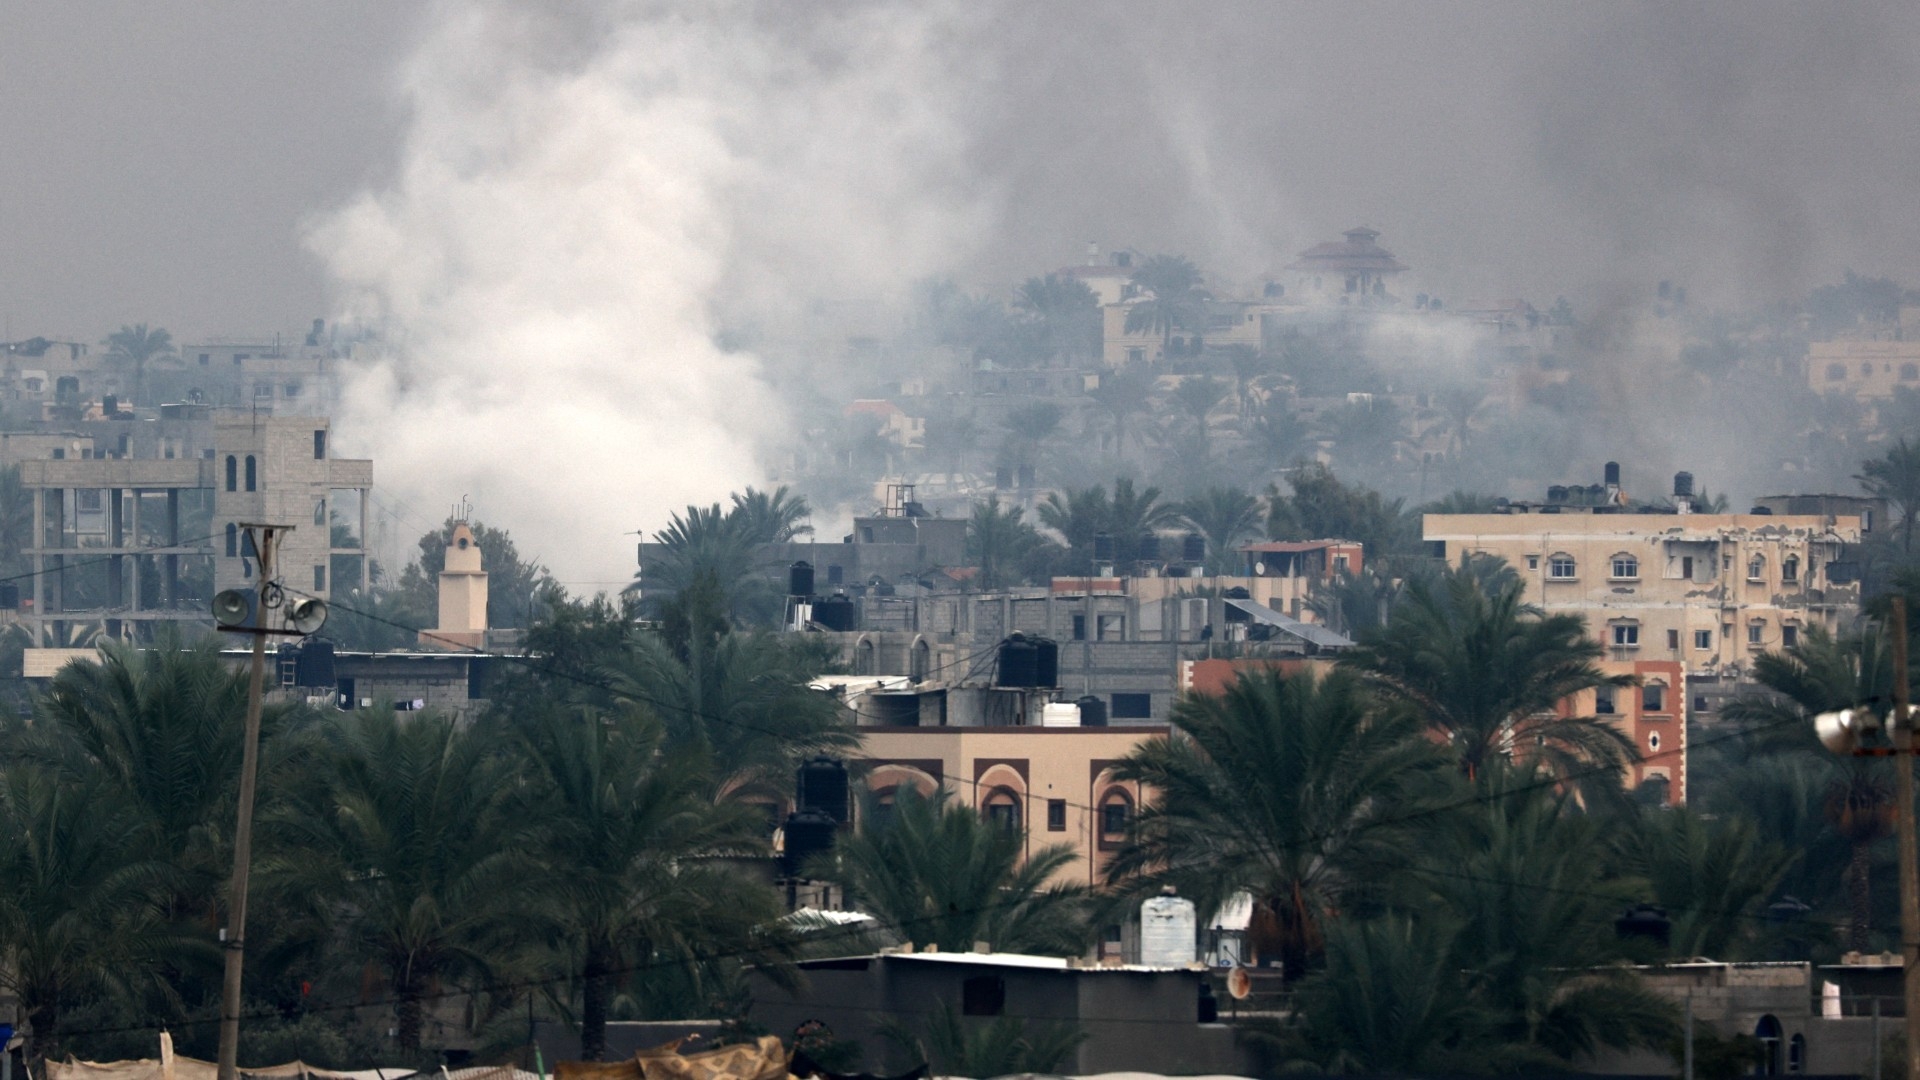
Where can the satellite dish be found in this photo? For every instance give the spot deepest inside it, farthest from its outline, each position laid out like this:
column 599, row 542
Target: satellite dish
column 308, row 615
column 1239, row 984
column 233, row 608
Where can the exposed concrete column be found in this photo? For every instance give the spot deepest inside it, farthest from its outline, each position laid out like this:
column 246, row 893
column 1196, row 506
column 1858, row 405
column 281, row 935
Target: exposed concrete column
column 116, row 562
column 366, row 544
column 39, row 564
column 170, row 580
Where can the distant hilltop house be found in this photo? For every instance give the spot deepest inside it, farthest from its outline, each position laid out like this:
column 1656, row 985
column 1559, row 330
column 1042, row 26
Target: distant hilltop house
column 895, row 426
column 1869, row 365
column 1356, row 269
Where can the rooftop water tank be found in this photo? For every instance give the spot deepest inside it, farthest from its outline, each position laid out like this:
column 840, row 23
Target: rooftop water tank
column 822, row 785
column 1046, row 662
column 1193, row 548
column 1060, row 714
column 808, row 833
column 1683, row 485
column 1093, row 711
column 800, row 579
column 1019, row 663
column 1169, row 932
column 834, row 612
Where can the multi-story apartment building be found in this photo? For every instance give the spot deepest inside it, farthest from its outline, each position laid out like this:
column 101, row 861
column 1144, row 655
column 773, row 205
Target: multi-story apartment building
column 123, row 542
column 1709, row 591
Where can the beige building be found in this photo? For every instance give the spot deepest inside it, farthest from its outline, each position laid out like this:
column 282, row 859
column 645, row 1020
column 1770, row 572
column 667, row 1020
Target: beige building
column 463, row 596
column 1863, row 369
column 1711, row 591
column 1055, row 783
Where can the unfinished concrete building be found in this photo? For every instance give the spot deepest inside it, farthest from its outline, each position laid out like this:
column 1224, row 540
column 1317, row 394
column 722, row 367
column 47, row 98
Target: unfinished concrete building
column 124, row 544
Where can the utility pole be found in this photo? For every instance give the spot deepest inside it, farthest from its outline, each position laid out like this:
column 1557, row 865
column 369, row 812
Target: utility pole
column 234, row 611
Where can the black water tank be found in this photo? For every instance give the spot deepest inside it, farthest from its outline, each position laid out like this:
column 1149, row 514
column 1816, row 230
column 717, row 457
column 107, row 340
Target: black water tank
column 1557, row 493
column 1147, row 548
column 800, row 579
column 809, row 833
column 1613, row 474
column 1764, row 511
column 1193, row 548
column 9, row 595
column 1102, row 547
column 1019, row 662
column 1046, row 662
column 1683, row 485
column 834, row 613
column 1645, row 920
column 314, row 665
column 1093, row 711
column 1595, row 492
column 822, row 785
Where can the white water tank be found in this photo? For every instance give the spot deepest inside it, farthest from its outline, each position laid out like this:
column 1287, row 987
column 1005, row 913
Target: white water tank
column 1060, row 714
column 1168, row 932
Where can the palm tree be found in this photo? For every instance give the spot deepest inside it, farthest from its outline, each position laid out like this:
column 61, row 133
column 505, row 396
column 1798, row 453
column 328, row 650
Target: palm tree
column 770, row 517
column 1028, row 427
column 79, row 915
column 937, row 873
column 1067, row 311
column 161, row 729
column 1133, row 514
column 408, row 823
column 1536, row 911
column 1488, row 672
column 1356, row 604
column 1225, row 516
column 1895, row 477
column 1712, row 873
column 134, row 347
column 1196, row 396
column 1078, row 518
column 737, row 701
column 1820, row 674
column 1123, row 393
column 1247, row 364
column 1390, row 1001
column 633, row 840
column 1458, row 404
column 999, row 540
column 1284, row 788
column 1173, row 301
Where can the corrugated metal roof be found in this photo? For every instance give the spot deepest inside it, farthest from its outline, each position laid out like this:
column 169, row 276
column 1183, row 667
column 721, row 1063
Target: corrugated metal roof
column 1308, row 632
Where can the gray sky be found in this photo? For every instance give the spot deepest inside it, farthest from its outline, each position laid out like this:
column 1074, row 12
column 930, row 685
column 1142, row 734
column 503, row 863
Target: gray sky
column 162, row 159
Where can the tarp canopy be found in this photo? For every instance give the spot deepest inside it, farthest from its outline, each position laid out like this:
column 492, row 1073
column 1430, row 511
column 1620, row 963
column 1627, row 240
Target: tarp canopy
column 1286, row 624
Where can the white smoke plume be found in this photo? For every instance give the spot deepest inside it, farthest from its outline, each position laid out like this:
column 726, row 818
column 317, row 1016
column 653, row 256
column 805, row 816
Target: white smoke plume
column 576, row 196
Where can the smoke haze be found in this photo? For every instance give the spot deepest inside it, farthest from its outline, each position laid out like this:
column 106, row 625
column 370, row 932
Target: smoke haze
column 585, row 194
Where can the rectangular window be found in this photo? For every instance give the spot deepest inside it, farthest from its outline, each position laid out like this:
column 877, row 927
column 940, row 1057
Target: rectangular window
column 1686, row 567
column 1756, row 633
column 1056, row 815
column 1703, row 639
column 1113, row 819
column 1079, row 628
column 1653, row 698
column 1132, row 707
column 1673, row 639
column 1110, row 628
column 1561, row 567
column 1533, row 562
column 205, row 358
column 319, row 579
column 1789, row 636
column 319, row 445
column 983, row 995
column 1603, row 701
column 1626, row 635
column 1626, row 567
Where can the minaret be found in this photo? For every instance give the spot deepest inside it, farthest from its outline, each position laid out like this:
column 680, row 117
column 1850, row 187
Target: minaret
column 463, row 596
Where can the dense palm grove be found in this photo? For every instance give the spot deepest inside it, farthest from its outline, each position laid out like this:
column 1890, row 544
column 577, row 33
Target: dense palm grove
column 582, row 852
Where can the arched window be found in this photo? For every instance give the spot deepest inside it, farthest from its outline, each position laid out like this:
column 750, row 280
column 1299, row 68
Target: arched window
column 1797, row 1046
column 233, row 538
column 1866, row 369
column 1790, row 570
column 1653, row 697
column 863, row 658
column 1757, row 569
column 252, row 473
column 1625, row 567
column 1002, row 811
column 922, row 661
column 1116, row 816
column 1561, row 567
column 1768, row 1032
column 320, row 512
column 1836, row 372
column 233, row 473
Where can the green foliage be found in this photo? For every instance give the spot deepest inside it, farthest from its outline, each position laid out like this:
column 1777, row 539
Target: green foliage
column 1005, row 1047
column 1322, row 508
column 1481, row 668
column 936, row 872
column 1895, row 477
column 1125, row 516
column 1005, row 547
column 1226, row 517
column 1283, row 789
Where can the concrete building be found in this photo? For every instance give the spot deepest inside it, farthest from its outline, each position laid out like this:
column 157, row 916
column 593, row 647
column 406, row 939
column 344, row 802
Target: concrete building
column 1137, row 1019
column 1709, row 591
column 124, row 542
column 1355, row 269
column 462, row 596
